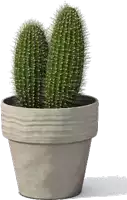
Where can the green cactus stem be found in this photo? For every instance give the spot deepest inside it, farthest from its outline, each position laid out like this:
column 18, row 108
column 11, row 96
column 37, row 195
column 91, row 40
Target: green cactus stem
column 30, row 59
column 66, row 59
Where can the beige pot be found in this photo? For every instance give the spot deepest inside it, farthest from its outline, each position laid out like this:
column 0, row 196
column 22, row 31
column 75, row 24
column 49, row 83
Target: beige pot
column 50, row 147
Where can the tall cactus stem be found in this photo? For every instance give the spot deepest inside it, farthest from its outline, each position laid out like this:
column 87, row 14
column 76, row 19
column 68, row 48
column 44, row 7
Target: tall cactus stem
column 87, row 49
column 66, row 59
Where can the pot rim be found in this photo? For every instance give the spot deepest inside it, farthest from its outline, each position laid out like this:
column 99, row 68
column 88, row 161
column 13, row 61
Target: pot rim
column 50, row 125
column 89, row 98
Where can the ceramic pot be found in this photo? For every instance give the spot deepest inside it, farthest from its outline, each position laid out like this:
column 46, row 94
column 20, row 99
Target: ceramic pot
column 50, row 147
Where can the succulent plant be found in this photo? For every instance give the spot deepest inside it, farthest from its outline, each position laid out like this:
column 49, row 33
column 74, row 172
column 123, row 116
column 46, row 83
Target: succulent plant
column 30, row 59
column 66, row 59
column 50, row 77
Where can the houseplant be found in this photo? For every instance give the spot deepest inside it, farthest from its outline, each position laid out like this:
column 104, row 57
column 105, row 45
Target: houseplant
column 48, row 123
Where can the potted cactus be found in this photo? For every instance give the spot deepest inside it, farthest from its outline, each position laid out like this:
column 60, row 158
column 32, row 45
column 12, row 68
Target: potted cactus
column 48, row 122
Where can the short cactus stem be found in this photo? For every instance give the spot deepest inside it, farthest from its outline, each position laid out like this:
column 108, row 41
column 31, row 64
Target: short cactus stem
column 30, row 59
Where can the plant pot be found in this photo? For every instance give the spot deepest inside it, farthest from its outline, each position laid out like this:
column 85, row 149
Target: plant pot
column 50, row 147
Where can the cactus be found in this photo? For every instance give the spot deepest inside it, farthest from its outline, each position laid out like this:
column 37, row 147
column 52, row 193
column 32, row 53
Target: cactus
column 67, row 55
column 53, row 79
column 30, row 59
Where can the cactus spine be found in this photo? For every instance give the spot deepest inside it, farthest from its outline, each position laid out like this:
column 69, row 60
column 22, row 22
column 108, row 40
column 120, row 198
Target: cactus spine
column 30, row 60
column 66, row 59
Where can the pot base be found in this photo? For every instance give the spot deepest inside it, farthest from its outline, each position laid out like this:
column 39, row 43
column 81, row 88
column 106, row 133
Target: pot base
column 74, row 195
